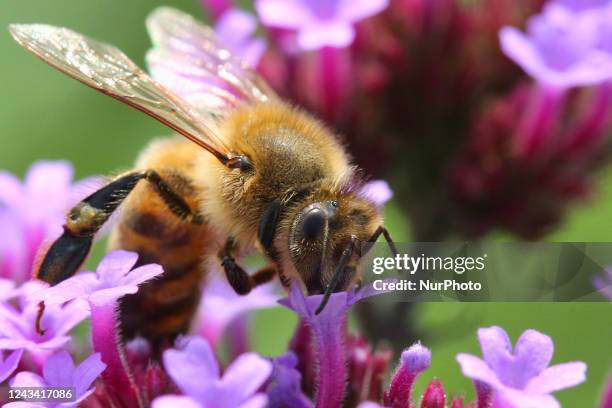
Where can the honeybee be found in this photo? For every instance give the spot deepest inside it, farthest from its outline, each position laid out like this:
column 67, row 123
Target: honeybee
column 251, row 170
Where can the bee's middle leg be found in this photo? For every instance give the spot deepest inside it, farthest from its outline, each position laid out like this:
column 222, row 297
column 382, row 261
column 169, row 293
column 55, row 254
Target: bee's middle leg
column 237, row 277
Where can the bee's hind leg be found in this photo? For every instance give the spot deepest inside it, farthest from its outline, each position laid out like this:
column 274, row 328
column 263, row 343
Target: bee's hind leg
column 69, row 251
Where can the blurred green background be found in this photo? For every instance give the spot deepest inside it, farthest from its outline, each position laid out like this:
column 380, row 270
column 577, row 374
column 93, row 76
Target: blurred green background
column 45, row 115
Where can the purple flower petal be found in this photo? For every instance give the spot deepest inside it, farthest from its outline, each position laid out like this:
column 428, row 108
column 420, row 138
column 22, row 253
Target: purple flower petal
column 27, row 379
column 558, row 377
column 174, row 401
column 582, row 5
column 87, row 372
column 76, row 287
column 284, row 388
column 142, row 274
column 533, row 353
column 66, row 317
column 45, row 179
column 106, row 296
column 335, row 33
column 221, row 305
column 244, row 376
column 319, row 23
column 378, row 191
column 58, row 370
column 355, row 10
column 112, row 280
column 477, row 369
column 235, row 29
column 291, row 14
column 194, row 368
column 7, row 289
column 23, row 404
column 256, row 401
column 9, row 364
column 561, row 47
column 116, row 265
column 496, row 347
column 510, row 398
column 11, row 190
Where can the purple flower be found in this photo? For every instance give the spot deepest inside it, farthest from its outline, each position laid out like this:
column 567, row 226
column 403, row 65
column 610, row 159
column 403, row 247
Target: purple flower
column 604, row 283
column 319, row 23
column 581, row 5
column 9, row 364
column 17, row 325
column 113, row 279
column 235, row 29
column 328, row 330
column 7, row 289
column 414, row 361
column 34, row 210
column 195, row 370
column 284, row 389
column 221, row 306
column 59, row 371
column 561, row 47
column 520, row 377
column 378, row 191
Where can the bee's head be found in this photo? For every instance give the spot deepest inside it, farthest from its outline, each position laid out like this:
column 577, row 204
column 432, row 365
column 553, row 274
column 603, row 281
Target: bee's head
column 319, row 237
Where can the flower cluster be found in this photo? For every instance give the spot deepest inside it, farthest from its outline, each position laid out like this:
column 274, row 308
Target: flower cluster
column 325, row 365
column 432, row 88
column 318, row 370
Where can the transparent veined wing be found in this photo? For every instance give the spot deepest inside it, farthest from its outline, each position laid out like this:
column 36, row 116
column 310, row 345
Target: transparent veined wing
column 188, row 58
column 106, row 69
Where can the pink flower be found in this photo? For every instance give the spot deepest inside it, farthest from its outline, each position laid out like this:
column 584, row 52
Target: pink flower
column 378, row 191
column 318, row 23
column 59, row 371
column 114, row 278
column 33, row 211
column 196, row 372
column 561, row 47
column 17, row 324
column 520, row 377
column 235, row 29
column 221, row 306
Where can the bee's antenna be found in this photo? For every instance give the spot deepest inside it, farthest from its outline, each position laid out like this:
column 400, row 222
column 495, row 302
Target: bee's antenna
column 346, row 255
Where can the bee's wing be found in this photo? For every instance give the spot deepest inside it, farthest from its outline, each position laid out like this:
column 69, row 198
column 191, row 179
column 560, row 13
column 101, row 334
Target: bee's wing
column 188, row 58
column 106, row 69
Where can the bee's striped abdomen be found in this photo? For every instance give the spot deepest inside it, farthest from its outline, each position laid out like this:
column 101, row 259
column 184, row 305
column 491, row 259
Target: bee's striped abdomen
column 163, row 308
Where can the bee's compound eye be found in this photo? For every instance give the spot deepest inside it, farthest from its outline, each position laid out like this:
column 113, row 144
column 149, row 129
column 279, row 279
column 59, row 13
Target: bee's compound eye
column 313, row 224
column 334, row 204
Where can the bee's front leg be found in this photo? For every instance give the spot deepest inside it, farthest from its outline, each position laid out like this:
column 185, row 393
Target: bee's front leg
column 237, row 277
